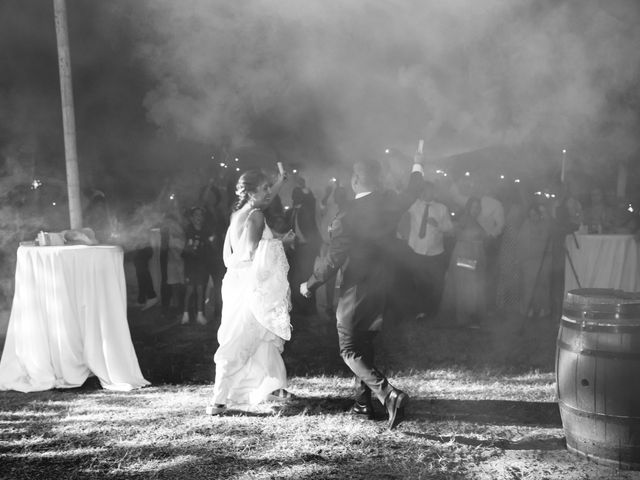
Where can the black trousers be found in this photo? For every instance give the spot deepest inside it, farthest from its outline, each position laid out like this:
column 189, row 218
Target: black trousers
column 141, row 259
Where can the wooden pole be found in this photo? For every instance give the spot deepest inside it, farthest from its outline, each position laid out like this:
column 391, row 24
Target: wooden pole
column 68, row 117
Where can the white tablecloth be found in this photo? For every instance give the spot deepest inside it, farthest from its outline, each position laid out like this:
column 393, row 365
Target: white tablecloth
column 68, row 321
column 603, row 261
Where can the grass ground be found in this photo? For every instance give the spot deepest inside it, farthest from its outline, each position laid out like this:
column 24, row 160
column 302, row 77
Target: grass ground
column 482, row 407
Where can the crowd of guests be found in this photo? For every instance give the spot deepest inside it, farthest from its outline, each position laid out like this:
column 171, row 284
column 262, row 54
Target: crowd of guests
column 464, row 251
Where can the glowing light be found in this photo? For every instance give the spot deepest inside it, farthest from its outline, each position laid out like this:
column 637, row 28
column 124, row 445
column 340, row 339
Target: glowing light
column 237, row 160
column 334, row 179
column 453, row 214
column 630, row 209
column 36, row 183
column 172, row 196
column 53, row 203
column 237, row 169
column 466, row 174
column 501, row 177
column 517, row 180
column 295, row 171
column 445, row 174
column 387, row 151
column 553, row 195
column 564, row 150
column 222, row 164
column 287, row 207
column 439, row 171
column 538, row 193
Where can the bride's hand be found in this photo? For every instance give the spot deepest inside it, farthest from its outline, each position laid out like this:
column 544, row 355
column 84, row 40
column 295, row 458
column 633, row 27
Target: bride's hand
column 288, row 238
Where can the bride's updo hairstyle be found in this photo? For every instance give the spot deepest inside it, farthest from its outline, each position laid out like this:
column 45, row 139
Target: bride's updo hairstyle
column 248, row 183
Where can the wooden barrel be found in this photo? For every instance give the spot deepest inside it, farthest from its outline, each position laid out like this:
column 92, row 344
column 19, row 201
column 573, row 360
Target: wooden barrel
column 598, row 375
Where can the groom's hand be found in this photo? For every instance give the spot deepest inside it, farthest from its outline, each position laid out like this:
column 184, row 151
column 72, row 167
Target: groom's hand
column 304, row 290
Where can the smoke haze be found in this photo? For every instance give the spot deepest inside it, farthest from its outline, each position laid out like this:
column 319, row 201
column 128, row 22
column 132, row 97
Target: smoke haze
column 327, row 81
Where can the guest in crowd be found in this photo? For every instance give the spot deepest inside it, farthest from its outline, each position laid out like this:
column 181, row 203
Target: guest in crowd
column 429, row 222
column 97, row 216
column 332, row 209
column 215, row 223
column 491, row 219
column 173, row 264
column 508, row 279
column 598, row 216
column 302, row 221
column 196, row 272
column 467, row 270
column 534, row 254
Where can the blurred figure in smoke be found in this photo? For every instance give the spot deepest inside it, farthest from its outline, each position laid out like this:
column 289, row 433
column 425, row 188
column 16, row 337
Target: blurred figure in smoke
column 333, row 207
column 302, row 221
column 534, row 254
column 137, row 243
column 491, row 219
column 598, row 216
column 172, row 263
column 196, row 264
column 429, row 222
column 216, row 223
column 466, row 278
column 96, row 216
column 363, row 244
column 508, row 288
column 567, row 217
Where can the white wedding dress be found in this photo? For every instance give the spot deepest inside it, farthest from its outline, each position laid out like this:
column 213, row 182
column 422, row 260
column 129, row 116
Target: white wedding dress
column 255, row 321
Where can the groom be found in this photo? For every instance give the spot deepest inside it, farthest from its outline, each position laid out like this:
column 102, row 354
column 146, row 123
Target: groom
column 362, row 242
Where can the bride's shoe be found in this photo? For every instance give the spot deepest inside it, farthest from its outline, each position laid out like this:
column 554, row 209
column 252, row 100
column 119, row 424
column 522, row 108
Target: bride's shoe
column 216, row 409
column 280, row 395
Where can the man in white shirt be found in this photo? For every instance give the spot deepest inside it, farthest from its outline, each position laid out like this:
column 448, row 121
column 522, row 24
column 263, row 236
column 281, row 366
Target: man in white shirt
column 429, row 222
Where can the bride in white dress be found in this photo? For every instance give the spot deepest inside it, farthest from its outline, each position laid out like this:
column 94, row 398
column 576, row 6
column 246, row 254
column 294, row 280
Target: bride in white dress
column 255, row 303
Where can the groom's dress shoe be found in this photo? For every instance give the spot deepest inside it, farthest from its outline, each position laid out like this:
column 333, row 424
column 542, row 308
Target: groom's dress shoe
column 362, row 409
column 395, row 403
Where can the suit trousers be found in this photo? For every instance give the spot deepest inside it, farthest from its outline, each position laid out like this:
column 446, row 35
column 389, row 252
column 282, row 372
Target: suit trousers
column 357, row 350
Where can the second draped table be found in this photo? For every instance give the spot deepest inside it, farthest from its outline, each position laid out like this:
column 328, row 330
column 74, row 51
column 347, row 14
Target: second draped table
column 602, row 261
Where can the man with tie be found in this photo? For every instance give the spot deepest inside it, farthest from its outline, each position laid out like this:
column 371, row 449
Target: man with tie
column 429, row 222
column 363, row 243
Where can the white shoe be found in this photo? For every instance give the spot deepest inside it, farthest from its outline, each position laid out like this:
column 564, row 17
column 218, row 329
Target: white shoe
column 185, row 318
column 215, row 409
column 150, row 303
column 201, row 319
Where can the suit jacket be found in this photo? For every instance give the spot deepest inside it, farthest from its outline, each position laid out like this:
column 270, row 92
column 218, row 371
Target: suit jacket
column 364, row 241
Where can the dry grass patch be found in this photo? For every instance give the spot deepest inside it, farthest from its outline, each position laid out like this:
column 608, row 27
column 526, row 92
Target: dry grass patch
column 462, row 424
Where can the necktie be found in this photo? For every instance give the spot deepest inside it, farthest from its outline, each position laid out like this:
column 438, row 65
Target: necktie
column 423, row 224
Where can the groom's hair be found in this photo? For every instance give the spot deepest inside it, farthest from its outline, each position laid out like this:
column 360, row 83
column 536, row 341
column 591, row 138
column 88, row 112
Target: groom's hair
column 368, row 172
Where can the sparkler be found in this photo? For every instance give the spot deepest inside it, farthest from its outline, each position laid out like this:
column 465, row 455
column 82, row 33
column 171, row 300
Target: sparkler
column 564, row 165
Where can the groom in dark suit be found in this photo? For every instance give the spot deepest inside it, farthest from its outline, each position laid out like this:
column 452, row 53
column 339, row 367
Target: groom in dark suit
column 362, row 243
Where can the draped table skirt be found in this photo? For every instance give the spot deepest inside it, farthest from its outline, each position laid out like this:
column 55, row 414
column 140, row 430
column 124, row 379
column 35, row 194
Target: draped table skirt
column 69, row 321
column 602, row 261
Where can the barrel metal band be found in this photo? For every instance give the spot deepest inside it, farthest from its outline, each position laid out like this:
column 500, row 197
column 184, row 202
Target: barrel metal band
column 600, row 416
column 585, row 325
column 597, row 353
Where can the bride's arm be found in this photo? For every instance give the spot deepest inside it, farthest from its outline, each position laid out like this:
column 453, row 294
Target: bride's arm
column 275, row 188
column 255, row 227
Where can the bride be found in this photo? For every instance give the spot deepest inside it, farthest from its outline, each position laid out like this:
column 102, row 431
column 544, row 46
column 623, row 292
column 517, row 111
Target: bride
column 255, row 303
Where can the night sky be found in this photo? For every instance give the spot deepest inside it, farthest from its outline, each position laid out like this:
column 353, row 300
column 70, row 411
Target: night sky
column 161, row 86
